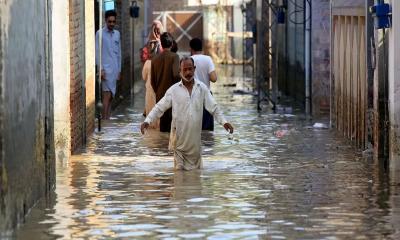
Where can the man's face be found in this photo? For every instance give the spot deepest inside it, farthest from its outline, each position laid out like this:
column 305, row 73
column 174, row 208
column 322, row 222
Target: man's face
column 187, row 69
column 110, row 22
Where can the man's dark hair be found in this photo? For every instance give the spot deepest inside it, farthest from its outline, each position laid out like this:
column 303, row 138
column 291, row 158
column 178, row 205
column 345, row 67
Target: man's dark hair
column 110, row 13
column 184, row 58
column 174, row 47
column 196, row 44
column 166, row 40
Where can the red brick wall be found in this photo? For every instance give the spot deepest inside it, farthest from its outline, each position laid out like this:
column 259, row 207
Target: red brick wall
column 76, row 28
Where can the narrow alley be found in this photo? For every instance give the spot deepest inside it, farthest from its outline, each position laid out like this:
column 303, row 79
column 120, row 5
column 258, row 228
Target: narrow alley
column 307, row 183
column 309, row 149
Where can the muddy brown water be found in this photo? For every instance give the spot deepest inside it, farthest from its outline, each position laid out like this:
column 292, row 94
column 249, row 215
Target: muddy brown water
column 304, row 184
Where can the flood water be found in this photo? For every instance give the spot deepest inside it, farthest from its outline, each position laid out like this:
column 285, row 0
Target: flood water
column 303, row 183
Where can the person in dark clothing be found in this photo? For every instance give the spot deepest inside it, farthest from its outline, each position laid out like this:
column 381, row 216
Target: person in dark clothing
column 164, row 74
column 174, row 47
column 205, row 72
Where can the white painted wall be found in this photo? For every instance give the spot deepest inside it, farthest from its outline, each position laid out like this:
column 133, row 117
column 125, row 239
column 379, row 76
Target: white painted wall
column 394, row 91
column 215, row 2
column 394, row 110
column 90, row 73
column 61, row 79
column 237, row 27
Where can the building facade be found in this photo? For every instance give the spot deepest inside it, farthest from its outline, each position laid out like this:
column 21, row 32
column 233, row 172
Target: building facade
column 48, row 91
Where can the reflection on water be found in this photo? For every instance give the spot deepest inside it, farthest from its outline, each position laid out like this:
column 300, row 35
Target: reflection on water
column 307, row 184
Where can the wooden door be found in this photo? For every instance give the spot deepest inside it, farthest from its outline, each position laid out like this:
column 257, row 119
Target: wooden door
column 183, row 25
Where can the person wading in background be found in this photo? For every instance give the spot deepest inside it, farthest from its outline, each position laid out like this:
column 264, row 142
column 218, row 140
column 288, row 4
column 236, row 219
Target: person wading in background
column 110, row 61
column 150, row 98
column 164, row 74
column 205, row 72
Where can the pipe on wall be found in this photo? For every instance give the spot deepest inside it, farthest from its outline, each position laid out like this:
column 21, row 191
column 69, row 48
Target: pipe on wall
column 307, row 56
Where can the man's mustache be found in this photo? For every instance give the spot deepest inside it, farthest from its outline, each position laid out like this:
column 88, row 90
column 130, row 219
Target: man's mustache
column 187, row 77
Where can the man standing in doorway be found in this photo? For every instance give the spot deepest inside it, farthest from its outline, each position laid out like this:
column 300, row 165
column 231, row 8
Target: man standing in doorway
column 205, row 72
column 110, row 61
column 164, row 74
column 187, row 99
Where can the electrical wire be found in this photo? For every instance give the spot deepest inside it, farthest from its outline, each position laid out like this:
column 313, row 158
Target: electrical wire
column 296, row 5
column 301, row 10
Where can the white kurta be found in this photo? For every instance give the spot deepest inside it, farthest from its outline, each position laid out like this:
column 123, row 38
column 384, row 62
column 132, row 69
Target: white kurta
column 110, row 58
column 187, row 115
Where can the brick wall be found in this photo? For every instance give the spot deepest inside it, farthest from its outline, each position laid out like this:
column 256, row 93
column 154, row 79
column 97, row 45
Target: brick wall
column 76, row 28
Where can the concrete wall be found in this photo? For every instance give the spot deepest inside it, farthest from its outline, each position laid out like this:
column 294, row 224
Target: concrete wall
column 320, row 57
column 26, row 101
column 394, row 92
column 347, row 3
column 237, row 49
column 61, row 78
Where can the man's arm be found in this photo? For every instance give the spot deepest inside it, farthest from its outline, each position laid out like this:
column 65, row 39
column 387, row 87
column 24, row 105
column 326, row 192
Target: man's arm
column 212, row 107
column 146, row 70
column 211, row 70
column 119, row 56
column 158, row 110
column 213, row 76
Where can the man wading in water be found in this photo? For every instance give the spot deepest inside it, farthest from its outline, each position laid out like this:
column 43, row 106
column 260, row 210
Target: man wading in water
column 187, row 99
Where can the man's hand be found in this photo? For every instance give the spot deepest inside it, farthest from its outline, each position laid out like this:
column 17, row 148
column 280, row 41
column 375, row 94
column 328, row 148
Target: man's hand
column 144, row 126
column 119, row 77
column 103, row 74
column 228, row 127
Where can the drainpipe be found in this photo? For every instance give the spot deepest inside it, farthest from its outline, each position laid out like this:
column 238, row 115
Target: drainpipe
column 132, row 75
column 99, row 103
column 371, row 65
column 257, row 52
column 331, row 101
column 307, row 62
